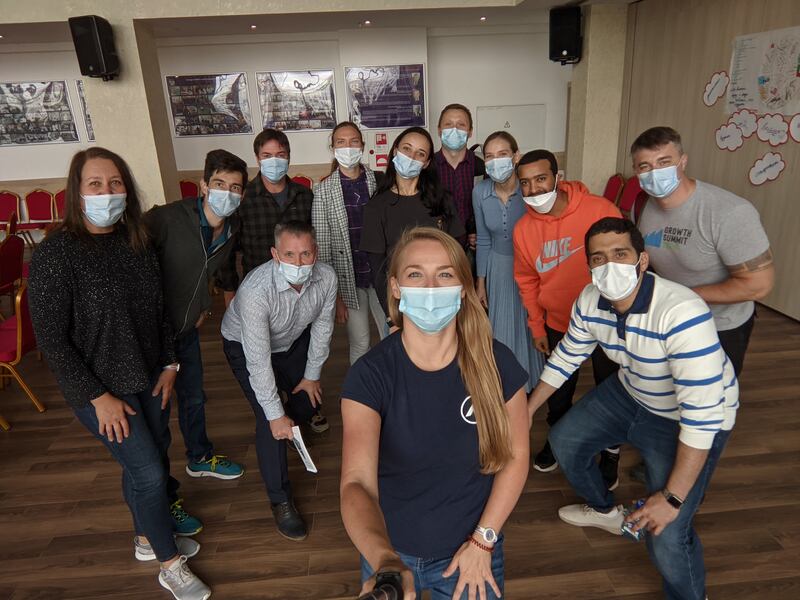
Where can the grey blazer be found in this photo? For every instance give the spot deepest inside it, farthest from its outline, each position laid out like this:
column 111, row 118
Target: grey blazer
column 329, row 217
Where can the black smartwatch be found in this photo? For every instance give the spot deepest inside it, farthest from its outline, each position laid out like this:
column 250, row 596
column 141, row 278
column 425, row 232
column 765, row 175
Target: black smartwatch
column 673, row 500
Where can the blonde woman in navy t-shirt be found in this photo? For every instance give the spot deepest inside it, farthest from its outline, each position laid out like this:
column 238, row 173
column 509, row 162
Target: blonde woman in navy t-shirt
column 435, row 451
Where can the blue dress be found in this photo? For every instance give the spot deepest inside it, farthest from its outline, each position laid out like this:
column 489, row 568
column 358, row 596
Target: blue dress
column 495, row 222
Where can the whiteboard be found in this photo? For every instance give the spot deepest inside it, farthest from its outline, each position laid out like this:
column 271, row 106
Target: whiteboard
column 525, row 122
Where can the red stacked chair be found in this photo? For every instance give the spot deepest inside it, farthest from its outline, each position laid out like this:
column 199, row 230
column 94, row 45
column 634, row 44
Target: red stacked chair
column 628, row 197
column 189, row 189
column 614, row 187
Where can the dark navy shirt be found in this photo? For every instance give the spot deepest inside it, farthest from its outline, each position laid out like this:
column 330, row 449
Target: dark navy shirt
column 431, row 490
column 356, row 194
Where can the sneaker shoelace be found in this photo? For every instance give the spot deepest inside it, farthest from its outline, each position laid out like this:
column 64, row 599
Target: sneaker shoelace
column 182, row 575
column 218, row 460
column 178, row 512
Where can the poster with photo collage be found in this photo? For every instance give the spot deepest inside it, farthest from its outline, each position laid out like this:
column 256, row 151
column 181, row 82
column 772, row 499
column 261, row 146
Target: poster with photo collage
column 297, row 100
column 36, row 112
column 388, row 96
column 209, row 104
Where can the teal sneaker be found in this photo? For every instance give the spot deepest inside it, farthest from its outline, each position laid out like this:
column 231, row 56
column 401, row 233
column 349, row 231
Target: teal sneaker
column 217, row 466
column 184, row 524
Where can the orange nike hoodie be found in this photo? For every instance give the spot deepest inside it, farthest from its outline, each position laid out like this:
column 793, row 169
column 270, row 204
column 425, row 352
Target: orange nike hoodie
column 550, row 265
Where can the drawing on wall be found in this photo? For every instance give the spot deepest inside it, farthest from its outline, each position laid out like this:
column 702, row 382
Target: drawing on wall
column 86, row 116
column 297, row 100
column 384, row 97
column 794, row 128
column 745, row 120
column 767, row 168
column 715, row 88
column 36, row 112
column 729, row 137
column 764, row 72
column 209, row 104
column 772, row 129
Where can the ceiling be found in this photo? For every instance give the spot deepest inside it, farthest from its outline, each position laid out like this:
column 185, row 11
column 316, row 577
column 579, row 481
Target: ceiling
column 526, row 12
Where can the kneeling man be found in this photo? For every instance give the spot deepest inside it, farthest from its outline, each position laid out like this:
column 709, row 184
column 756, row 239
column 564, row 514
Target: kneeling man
column 276, row 336
column 674, row 399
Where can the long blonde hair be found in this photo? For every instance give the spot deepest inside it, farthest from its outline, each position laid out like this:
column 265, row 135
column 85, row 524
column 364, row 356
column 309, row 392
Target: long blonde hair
column 475, row 353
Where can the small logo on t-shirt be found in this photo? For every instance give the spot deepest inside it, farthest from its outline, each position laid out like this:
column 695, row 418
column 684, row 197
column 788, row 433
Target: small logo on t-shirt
column 669, row 237
column 468, row 412
column 554, row 253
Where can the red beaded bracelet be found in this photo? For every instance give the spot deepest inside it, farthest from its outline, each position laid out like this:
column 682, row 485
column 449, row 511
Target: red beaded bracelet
column 479, row 545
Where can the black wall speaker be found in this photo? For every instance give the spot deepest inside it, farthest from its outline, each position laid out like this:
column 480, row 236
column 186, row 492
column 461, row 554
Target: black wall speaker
column 565, row 34
column 94, row 45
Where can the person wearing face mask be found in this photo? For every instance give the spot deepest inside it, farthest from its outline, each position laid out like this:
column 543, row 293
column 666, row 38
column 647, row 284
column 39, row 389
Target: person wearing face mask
column 457, row 165
column 550, row 270
column 674, row 399
column 410, row 195
column 193, row 238
column 101, row 322
column 276, row 336
column 498, row 205
column 338, row 218
column 435, row 447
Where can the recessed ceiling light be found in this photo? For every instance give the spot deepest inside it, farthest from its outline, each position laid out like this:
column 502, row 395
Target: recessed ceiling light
column 1, row 37
column 483, row 18
column 253, row 26
column 367, row 22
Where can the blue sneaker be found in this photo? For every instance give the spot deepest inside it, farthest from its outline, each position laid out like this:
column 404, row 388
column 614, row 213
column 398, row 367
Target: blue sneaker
column 217, row 466
column 184, row 524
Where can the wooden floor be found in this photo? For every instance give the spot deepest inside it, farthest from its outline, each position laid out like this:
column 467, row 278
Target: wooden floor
column 65, row 531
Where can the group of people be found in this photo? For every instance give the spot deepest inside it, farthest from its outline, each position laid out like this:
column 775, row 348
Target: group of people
column 436, row 416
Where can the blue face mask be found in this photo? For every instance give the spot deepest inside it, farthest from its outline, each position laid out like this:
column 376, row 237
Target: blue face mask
column 500, row 169
column 104, row 210
column 407, row 168
column 223, row 202
column 453, row 138
column 430, row 309
column 274, row 168
column 296, row 275
column 660, row 183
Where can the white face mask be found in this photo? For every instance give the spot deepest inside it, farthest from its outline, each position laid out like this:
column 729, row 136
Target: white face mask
column 348, row 157
column 616, row 281
column 295, row 275
column 543, row 203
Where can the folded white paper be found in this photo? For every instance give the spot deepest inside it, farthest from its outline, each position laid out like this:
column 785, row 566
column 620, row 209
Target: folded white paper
column 297, row 438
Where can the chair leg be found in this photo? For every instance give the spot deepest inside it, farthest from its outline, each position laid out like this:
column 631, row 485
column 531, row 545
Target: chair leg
column 4, row 424
column 39, row 406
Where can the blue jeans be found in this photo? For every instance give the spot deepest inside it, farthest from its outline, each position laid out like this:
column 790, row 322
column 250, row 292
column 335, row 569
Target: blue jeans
column 608, row 415
column 192, row 398
column 145, row 467
column 428, row 574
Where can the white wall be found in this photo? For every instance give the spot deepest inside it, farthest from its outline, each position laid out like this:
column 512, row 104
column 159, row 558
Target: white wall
column 42, row 62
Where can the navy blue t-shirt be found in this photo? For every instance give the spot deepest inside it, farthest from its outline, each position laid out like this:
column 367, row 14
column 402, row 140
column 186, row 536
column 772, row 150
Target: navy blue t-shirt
column 431, row 490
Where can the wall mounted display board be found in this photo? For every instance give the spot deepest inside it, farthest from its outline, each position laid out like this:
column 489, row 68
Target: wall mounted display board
column 86, row 116
column 209, row 104
column 297, row 100
column 36, row 112
column 388, row 96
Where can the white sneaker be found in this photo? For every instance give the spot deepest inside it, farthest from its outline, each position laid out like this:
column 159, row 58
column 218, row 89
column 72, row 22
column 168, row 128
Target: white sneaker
column 186, row 546
column 183, row 584
column 583, row 515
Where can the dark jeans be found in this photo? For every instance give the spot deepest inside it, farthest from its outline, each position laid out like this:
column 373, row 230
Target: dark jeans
column 289, row 368
column 145, row 467
column 192, row 398
column 428, row 574
column 608, row 415
column 734, row 342
column 560, row 402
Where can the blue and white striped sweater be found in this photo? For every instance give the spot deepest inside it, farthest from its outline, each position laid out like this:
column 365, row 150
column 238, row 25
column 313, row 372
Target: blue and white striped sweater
column 670, row 358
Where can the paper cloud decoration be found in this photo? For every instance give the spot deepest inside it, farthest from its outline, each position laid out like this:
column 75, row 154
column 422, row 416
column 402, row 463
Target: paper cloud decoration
column 745, row 120
column 772, row 129
column 767, row 168
column 729, row 137
column 715, row 88
column 794, row 128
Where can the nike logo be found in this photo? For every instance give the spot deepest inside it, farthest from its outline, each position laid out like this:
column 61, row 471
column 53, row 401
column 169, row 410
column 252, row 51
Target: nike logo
column 543, row 267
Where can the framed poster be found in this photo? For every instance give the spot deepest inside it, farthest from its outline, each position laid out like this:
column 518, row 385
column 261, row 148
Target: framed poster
column 386, row 96
column 86, row 116
column 209, row 104
column 36, row 112
column 297, row 100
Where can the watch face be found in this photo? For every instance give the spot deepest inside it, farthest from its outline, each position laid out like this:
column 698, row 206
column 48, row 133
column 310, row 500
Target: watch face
column 674, row 501
column 489, row 535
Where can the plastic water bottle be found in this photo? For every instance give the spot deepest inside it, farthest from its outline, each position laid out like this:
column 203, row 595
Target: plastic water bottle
column 627, row 527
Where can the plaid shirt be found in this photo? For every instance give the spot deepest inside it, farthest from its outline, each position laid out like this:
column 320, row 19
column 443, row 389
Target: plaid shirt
column 356, row 194
column 257, row 216
column 459, row 183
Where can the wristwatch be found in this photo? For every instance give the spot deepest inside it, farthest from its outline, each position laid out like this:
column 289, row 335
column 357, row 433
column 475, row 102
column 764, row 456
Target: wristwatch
column 173, row 367
column 673, row 500
column 488, row 534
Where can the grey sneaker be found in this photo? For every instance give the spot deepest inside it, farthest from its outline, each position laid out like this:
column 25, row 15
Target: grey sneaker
column 584, row 515
column 186, row 546
column 183, row 584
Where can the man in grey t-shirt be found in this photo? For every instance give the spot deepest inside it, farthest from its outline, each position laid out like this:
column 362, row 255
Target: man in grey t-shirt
column 703, row 237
